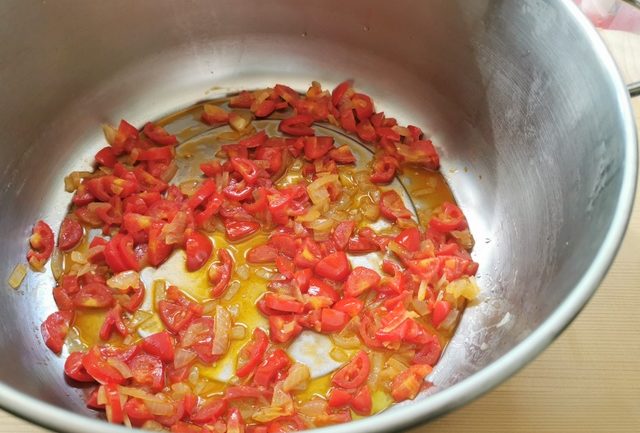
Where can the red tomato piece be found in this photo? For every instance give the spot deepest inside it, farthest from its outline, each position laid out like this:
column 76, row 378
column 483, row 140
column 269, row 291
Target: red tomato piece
column 113, row 322
column 41, row 243
column 159, row 135
column 286, row 93
column 299, row 125
column 106, row 156
column 244, row 391
column 339, row 398
column 283, row 329
column 342, row 233
column 333, row 320
column 237, row 191
column 209, row 411
column 235, row 423
column 392, row 206
column 448, row 218
column 115, row 413
column 262, row 254
column 348, row 120
column 440, row 312
column 160, row 345
column 317, row 287
column 246, row 168
column 429, row 352
column 137, row 412
column 237, row 230
column 119, row 254
column 362, row 402
column 93, row 295
column 252, row 353
column 420, row 152
column 211, row 168
column 351, row 306
column 283, row 303
column 255, row 140
column 243, row 99
column 360, row 280
column 198, row 248
column 269, row 368
column 341, row 93
column 174, row 316
column 335, row 266
column 147, row 370
column 265, row 108
column 409, row 238
column 55, row 328
column 342, row 155
column 366, row 131
column 363, row 106
column 407, row 384
column 384, row 169
column 98, row 368
column 74, row 369
column 317, row 147
column 353, row 374
column 220, row 273
column 70, row 234
column 158, row 250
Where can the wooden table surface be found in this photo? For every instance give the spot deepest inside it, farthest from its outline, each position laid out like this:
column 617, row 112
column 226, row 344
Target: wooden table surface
column 588, row 380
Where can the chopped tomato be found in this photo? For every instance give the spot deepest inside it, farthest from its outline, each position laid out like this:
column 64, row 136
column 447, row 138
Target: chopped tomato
column 317, row 147
column 113, row 322
column 351, row 306
column 220, row 273
column 137, row 412
column 159, row 135
column 274, row 363
column 366, row 131
column 98, row 368
column 119, row 254
column 283, row 303
column 407, row 384
column 361, row 280
column 237, row 230
column 209, row 411
column 363, row 106
column 353, row 374
column 198, row 248
column 214, row 114
column 55, row 328
column 147, row 370
column 335, row 266
column 342, row 233
column 41, row 243
column 448, row 218
column 174, row 316
column 333, row 320
column 392, row 206
column 70, row 234
column 362, row 402
column 342, row 155
column 339, row 398
column 241, row 100
column 160, row 345
column 299, row 125
column 340, row 93
column 251, row 354
column 429, row 353
column 246, row 168
column 384, row 169
column 74, row 369
column 440, row 312
column 283, row 329
column 262, row 254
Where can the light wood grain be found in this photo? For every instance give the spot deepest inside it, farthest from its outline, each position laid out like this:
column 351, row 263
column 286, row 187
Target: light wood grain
column 586, row 381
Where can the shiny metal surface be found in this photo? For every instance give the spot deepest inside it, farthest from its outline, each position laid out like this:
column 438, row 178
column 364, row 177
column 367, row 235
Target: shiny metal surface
column 521, row 98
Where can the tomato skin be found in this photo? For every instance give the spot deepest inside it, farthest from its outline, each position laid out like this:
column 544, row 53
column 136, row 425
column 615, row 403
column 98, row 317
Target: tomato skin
column 220, row 273
column 299, row 125
column 41, row 243
column 335, row 266
column 98, row 368
column 339, row 398
column 209, row 411
column 363, row 106
column 440, row 312
column 362, row 402
column 252, row 353
column 407, row 384
column 74, row 369
column 174, row 316
column 158, row 250
column 429, row 353
column 54, row 330
column 119, row 254
column 384, row 169
column 113, row 321
column 353, row 374
column 70, row 234
column 286, row 93
column 262, row 254
column 159, row 135
column 333, row 320
column 237, row 230
column 246, row 168
column 392, row 206
column 342, row 233
column 283, row 329
column 283, row 303
column 366, row 131
column 409, row 238
column 269, row 368
column 318, row 287
column 317, row 147
column 255, row 140
column 137, row 412
column 360, row 281
column 448, row 219
column 106, row 156
column 342, row 155
column 147, row 370
column 198, row 248
column 160, row 345
column 114, row 406
column 351, row 306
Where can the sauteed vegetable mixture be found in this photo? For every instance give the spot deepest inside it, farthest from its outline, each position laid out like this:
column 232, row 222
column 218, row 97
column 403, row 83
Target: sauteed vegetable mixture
column 261, row 272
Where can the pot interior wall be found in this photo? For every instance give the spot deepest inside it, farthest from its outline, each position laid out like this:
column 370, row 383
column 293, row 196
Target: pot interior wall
column 519, row 106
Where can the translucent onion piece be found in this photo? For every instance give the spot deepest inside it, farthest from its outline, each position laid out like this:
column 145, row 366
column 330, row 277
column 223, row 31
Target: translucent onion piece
column 138, row 393
column 189, row 187
column 450, row 321
column 377, row 363
column 338, row 355
column 238, row 332
column 57, row 262
column 233, row 288
column 153, row 426
column 317, row 190
column 464, row 286
column 194, row 333
column 138, row 318
column 160, row 408
column 464, row 238
column 297, row 379
column 264, row 273
column 124, row 280
column 17, row 275
column 79, row 257
column 119, row 365
column 110, row 133
column 243, row 271
column 240, row 121
column 221, row 332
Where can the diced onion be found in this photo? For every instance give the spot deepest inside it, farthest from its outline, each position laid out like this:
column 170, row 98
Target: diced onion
column 233, row 288
column 189, row 187
column 239, row 121
column 297, row 379
column 110, row 133
column 377, row 363
column 124, row 280
column 138, row 393
column 183, row 357
column 338, row 355
column 138, row 318
column 79, row 257
column 152, row 425
column 421, row 307
column 57, row 262
column 238, row 332
column 160, row 408
column 450, row 321
column 243, row 271
column 264, row 273
column 464, row 238
column 317, row 190
column 221, row 332
column 159, row 290
column 17, row 275
column 119, row 365
column 464, row 286
column 194, row 375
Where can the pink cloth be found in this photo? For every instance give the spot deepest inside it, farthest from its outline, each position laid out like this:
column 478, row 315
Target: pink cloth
column 611, row 14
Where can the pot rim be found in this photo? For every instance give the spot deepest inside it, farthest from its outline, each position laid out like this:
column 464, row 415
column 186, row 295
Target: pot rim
column 49, row 416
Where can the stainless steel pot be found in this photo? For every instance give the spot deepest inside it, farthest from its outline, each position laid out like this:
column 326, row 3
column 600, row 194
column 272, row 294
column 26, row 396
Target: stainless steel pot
column 521, row 97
